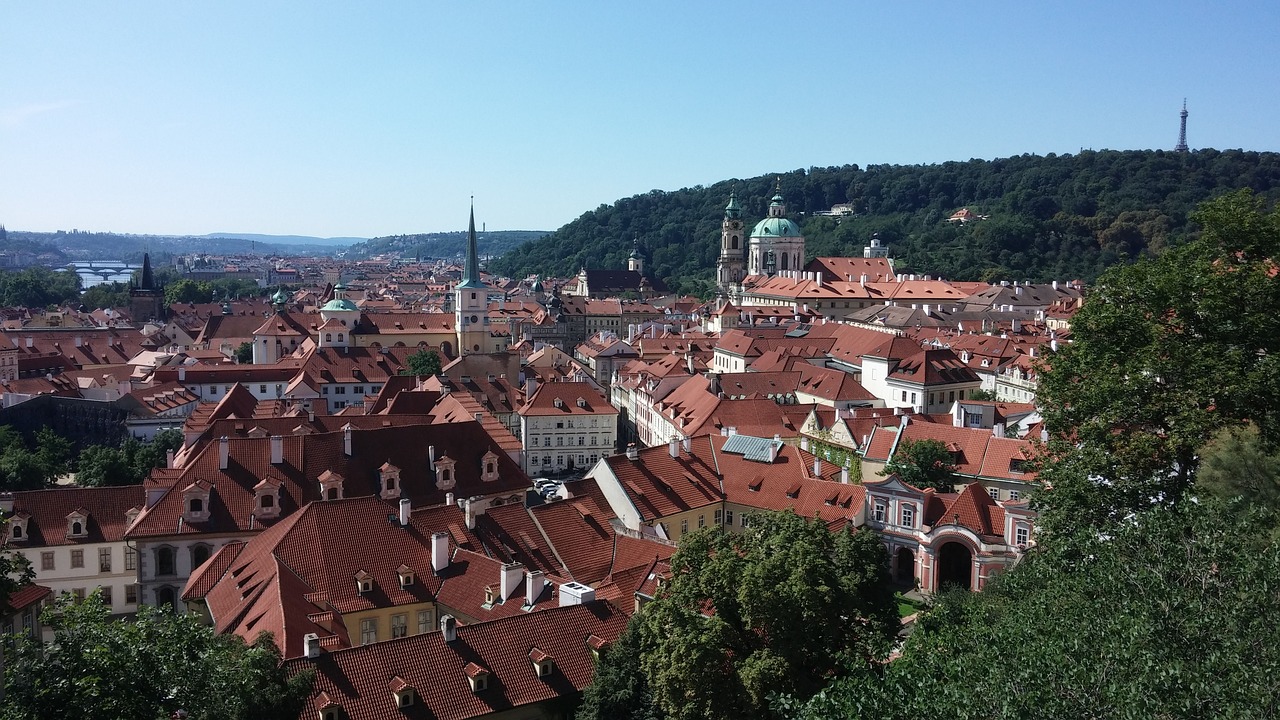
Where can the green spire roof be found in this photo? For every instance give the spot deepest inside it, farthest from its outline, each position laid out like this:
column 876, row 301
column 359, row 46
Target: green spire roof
column 732, row 210
column 471, row 271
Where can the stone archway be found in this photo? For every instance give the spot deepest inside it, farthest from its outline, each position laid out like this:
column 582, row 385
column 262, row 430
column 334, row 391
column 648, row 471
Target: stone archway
column 955, row 566
column 905, row 572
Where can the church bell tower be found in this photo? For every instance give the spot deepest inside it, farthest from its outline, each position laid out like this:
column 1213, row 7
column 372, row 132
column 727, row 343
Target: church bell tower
column 729, row 268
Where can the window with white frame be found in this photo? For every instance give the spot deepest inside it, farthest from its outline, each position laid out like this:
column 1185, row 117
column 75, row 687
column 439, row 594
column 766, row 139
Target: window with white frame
column 908, row 512
column 368, row 631
column 1020, row 536
column 399, row 625
column 728, row 518
column 878, row 512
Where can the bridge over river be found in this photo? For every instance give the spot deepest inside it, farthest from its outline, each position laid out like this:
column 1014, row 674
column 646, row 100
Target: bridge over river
column 97, row 272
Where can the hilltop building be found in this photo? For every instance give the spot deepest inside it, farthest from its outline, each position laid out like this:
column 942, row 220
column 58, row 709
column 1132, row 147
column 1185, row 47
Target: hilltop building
column 776, row 243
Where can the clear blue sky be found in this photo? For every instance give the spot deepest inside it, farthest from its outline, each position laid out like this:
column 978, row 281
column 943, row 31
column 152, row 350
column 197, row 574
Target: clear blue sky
column 376, row 118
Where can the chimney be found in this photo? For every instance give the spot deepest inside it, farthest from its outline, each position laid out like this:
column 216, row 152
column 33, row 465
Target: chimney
column 533, row 586
column 277, row 449
column 673, row 446
column 818, row 277
column 30, row 341
column 863, row 279
column 346, row 439
column 448, row 628
column 804, row 442
column 439, row 552
column 687, row 443
column 817, row 466
column 575, row 593
column 405, row 507
column 998, row 430
column 182, row 372
column 168, row 458
column 224, row 452
column 1053, row 345
column 311, row 643
column 632, row 452
column 844, row 474
column 431, row 455
column 79, row 341
column 511, row 574
column 469, row 513
column 448, row 498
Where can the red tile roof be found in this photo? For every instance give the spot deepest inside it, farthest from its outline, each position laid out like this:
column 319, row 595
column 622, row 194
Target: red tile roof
column 104, row 507
column 357, row 678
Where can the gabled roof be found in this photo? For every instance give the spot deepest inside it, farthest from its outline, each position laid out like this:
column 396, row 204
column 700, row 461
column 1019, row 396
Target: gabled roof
column 357, row 678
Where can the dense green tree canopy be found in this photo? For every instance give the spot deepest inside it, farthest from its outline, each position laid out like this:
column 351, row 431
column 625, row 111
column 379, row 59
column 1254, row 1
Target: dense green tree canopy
column 1166, row 352
column 423, row 363
column 1052, row 217
column 38, row 287
column 148, row 668
column 1174, row 615
column 793, row 603
column 923, row 464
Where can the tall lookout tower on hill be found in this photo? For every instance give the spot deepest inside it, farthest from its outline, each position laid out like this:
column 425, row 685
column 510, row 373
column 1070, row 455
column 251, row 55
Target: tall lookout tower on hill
column 1182, row 133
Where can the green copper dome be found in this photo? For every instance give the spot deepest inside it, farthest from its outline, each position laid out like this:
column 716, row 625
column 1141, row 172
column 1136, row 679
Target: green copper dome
column 776, row 227
column 280, row 298
column 339, row 305
column 732, row 210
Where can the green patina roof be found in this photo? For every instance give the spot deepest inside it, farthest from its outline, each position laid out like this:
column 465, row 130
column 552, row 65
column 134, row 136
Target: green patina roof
column 731, row 210
column 471, row 271
column 776, row 227
column 280, row 298
column 343, row 305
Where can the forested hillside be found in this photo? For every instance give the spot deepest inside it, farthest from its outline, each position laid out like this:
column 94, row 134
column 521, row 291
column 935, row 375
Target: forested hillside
column 443, row 244
column 1052, row 217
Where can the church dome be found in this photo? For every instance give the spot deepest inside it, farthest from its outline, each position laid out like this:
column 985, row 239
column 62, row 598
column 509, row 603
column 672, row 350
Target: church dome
column 776, row 227
column 280, row 298
column 339, row 305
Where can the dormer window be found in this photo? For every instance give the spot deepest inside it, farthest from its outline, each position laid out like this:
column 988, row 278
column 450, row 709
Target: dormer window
column 330, row 485
column 559, row 403
column 543, row 665
column 445, row 478
column 195, row 501
column 582, row 402
column 364, row 582
column 18, row 527
column 477, row 676
column 406, row 575
column 597, row 645
column 390, row 475
column 77, row 524
column 402, row 691
column 328, row 709
column 489, row 467
column 266, row 497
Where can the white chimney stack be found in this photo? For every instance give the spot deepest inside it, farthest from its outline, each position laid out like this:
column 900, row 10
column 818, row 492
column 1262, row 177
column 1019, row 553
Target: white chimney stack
column 405, row 508
column 817, row 466
column 673, row 446
column 346, row 439
column 844, row 475
column 511, row 574
column 575, row 593
column 804, row 442
column 448, row 628
column 439, row 552
column 224, row 452
column 277, row 449
column 311, row 644
column 182, row 370
column 533, row 585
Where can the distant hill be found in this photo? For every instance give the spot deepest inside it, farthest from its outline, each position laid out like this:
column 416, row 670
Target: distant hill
column 1048, row 217
column 287, row 239
column 81, row 245
column 443, row 245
